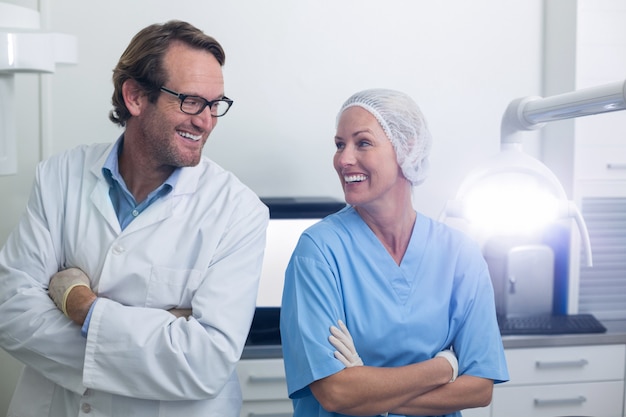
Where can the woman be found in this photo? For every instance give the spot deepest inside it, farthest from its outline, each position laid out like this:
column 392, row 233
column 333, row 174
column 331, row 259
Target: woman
column 406, row 287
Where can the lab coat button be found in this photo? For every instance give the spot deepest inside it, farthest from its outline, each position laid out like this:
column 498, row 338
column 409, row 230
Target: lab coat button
column 118, row 250
column 85, row 408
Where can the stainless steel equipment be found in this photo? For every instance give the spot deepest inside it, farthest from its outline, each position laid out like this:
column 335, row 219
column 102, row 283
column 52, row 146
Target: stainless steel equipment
column 522, row 273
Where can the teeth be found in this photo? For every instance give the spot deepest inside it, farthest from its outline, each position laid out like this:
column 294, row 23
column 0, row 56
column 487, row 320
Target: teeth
column 190, row 136
column 355, row 178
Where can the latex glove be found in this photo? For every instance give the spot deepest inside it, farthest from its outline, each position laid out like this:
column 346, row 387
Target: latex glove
column 63, row 282
column 341, row 339
column 181, row 312
column 454, row 363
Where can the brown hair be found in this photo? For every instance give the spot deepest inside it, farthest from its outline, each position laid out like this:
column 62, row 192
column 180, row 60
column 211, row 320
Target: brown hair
column 142, row 60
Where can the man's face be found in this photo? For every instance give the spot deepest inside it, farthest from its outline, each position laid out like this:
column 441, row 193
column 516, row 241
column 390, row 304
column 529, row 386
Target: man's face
column 169, row 136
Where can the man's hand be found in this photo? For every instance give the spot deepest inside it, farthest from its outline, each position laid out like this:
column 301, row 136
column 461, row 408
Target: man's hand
column 341, row 339
column 181, row 312
column 70, row 290
column 63, row 282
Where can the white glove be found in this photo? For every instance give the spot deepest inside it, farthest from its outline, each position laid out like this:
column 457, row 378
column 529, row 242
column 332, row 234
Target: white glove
column 454, row 363
column 341, row 340
column 63, row 282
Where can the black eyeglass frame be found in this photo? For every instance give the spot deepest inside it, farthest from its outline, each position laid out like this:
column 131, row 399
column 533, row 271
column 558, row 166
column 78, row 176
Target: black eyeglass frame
column 183, row 97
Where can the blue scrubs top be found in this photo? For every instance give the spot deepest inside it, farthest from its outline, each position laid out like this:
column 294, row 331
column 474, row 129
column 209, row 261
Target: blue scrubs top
column 439, row 296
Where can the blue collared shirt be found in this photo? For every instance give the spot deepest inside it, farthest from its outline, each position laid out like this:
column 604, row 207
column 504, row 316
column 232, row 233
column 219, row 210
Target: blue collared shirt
column 123, row 201
column 126, row 208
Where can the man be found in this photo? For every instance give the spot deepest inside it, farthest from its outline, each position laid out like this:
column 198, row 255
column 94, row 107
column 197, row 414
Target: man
column 129, row 285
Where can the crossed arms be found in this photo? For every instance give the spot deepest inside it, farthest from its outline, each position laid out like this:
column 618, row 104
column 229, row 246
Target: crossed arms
column 426, row 388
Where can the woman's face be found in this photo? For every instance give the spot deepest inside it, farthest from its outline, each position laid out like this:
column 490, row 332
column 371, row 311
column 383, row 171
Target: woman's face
column 365, row 160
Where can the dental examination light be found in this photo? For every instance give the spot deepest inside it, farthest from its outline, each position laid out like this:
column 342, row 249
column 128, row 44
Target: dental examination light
column 24, row 48
column 515, row 194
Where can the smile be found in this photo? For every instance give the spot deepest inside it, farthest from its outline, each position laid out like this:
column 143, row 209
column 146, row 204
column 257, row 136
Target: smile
column 189, row 135
column 354, row 178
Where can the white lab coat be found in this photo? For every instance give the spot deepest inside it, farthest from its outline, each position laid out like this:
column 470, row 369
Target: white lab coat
column 199, row 247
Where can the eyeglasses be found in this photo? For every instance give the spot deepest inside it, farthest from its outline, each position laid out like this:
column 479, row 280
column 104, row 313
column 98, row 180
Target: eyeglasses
column 194, row 105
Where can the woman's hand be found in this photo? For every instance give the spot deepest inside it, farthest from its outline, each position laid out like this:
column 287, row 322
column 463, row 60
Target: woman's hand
column 341, row 340
column 449, row 355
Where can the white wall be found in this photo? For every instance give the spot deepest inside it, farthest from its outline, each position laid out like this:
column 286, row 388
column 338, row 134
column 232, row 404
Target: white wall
column 289, row 67
column 290, row 64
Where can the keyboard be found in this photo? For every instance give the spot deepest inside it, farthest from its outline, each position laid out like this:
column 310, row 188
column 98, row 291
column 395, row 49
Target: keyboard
column 549, row 324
